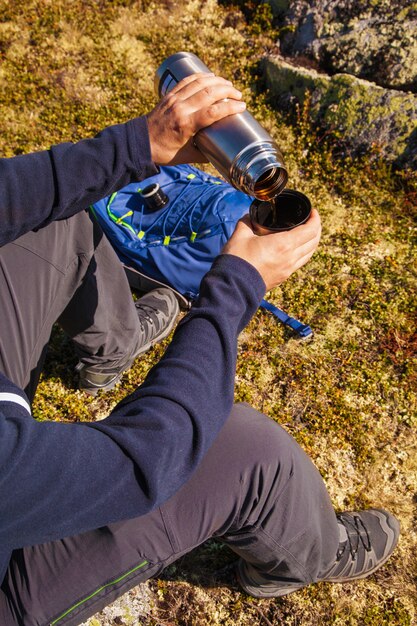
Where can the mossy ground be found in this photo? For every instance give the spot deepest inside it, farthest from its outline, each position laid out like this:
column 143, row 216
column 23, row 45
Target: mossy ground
column 70, row 67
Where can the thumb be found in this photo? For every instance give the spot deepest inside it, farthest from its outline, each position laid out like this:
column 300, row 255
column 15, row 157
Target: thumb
column 243, row 228
column 240, row 237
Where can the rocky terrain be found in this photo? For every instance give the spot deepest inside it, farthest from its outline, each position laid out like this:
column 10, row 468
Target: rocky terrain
column 357, row 62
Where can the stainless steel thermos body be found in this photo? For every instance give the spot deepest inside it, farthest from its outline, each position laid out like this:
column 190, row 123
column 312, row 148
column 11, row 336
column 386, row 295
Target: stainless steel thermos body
column 238, row 146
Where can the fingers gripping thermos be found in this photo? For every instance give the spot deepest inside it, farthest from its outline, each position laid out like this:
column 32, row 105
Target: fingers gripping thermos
column 238, row 147
column 244, row 154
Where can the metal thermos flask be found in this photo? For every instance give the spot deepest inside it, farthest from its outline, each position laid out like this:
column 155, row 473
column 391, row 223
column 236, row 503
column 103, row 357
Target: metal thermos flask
column 238, row 147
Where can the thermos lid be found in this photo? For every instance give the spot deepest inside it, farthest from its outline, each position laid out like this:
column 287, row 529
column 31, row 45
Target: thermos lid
column 155, row 198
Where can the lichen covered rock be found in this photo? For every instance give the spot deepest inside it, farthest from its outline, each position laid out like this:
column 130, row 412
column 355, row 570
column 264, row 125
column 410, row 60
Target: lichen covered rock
column 383, row 52
column 360, row 114
column 372, row 39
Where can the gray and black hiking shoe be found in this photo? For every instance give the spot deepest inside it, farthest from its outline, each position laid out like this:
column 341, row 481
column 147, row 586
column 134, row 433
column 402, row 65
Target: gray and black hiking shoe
column 367, row 540
column 157, row 312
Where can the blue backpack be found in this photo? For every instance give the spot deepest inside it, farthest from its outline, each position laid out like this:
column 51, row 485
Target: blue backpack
column 176, row 244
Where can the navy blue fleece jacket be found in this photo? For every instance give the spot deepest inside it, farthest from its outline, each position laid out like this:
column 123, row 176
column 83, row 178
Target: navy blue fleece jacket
column 62, row 479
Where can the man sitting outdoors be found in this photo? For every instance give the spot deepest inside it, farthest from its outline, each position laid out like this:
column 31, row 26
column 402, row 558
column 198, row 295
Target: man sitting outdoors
column 89, row 510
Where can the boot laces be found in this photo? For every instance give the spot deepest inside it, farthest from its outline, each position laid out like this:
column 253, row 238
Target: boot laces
column 147, row 313
column 357, row 534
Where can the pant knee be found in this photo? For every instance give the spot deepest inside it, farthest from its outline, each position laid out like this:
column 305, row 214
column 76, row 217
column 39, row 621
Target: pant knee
column 286, row 516
column 269, row 459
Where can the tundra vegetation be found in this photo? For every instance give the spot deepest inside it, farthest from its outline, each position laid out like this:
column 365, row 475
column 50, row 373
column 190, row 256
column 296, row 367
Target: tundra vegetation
column 348, row 396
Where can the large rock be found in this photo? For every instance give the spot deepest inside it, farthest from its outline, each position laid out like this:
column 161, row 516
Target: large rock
column 360, row 114
column 371, row 39
column 385, row 53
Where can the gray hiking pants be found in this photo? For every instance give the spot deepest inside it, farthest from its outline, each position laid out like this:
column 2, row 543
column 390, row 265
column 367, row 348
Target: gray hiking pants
column 255, row 490
column 62, row 273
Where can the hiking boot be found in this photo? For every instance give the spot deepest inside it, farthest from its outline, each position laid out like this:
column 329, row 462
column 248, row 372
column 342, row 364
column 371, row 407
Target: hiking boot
column 367, row 540
column 157, row 312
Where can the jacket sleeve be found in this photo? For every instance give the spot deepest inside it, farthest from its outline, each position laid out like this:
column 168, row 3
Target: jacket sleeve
column 38, row 188
column 62, row 479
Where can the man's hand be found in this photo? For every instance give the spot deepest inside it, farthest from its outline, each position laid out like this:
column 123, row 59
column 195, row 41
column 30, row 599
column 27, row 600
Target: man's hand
column 195, row 103
column 278, row 255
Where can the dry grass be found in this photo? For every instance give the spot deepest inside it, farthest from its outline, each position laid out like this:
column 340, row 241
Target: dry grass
column 69, row 67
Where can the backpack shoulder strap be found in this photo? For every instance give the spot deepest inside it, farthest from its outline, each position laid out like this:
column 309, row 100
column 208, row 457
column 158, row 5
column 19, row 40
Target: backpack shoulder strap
column 144, row 283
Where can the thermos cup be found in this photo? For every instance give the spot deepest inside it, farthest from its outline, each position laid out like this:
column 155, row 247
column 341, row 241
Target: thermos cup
column 238, row 147
column 288, row 210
